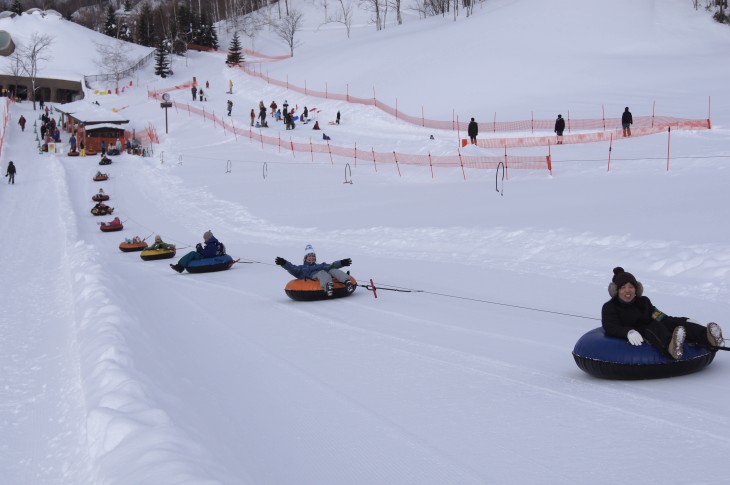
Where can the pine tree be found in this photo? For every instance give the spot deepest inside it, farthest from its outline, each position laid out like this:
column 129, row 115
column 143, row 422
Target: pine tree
column 127, row 6
column 162, row 60
column 234, row 52
column 145, row 29
column 17, row 8
column 110, row 24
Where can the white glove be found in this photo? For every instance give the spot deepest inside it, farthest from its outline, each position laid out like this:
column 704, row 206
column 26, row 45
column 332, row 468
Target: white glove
column 634, row 337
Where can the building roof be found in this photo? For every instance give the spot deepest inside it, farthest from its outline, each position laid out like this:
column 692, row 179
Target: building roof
column 88, row 113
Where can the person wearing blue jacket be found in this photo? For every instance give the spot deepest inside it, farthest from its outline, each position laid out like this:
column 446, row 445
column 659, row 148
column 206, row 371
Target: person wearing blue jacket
column 323, row 272
column 209, row 249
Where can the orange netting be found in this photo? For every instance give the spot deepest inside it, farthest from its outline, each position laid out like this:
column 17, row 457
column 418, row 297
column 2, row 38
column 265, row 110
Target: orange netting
column 358, row 154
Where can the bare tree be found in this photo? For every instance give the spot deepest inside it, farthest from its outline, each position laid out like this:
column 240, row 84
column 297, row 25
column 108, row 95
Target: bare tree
column 32, row 55
column 375, row 7
column 287, row 28
column 343, row 15
column 14, row 66
column 114, row 59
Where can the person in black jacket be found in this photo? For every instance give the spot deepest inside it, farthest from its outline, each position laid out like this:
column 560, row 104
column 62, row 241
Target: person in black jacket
column 10, row 174
column 472, row 130
column 630, row 315
column 626, row 121
column 560, row 128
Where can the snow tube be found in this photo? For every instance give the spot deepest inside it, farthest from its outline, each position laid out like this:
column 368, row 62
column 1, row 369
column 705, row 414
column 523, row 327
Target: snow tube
column 90, row 152
column 109, row 227
column 615, row 358
column 99, row 198
column 101, row 178
column 73, row 154
column 131, row 247
column 105, row 161
column 98, row 211
column 310, row 290
column 154, row 254
column 208, row 265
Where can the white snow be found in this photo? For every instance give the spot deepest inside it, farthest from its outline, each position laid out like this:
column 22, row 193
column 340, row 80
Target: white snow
column 118, row 371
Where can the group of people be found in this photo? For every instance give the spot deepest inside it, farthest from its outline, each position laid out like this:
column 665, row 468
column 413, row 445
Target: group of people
column 325, row 273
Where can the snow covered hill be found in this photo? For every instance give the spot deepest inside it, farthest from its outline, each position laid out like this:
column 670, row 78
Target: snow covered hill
column 116, row 370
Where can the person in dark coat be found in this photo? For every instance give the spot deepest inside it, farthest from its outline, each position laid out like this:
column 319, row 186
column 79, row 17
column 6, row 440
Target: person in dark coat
column 230, row 107
column 626, row 121
column 337, row 120
column 194, row 92
column 630, row 315
column 323, row 272
column 10, row 174
column 560, row 128
column 209, row 249
column 472, row 130
column 21, row 122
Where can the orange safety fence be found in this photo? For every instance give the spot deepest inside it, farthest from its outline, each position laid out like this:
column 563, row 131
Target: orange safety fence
column 538, row 141
column 493, row 126
column 359, row 154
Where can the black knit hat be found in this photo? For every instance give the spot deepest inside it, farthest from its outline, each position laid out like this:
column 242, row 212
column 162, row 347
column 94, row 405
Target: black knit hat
column 620, row 278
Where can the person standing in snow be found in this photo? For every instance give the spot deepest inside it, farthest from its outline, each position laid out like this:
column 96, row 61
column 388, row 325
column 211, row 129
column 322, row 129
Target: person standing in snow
column 626, row 121
column 472, row 130
column 230, row 107
column 273, row 107
column 630, row 315
column 559, row 128
column 10, row 174
column 337, row 121
column 323, row 272
column 21, row 122
column 194, row 92
column 253, row 117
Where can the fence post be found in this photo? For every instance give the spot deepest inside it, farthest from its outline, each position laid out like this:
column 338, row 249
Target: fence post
column 669, row 139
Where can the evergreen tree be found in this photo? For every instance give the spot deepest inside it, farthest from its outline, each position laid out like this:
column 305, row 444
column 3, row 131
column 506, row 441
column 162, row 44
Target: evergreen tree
column 145, row 30
column 162, row 59
column 234, row 51
column 17, row 8
column 127, row 6
column 110, row 24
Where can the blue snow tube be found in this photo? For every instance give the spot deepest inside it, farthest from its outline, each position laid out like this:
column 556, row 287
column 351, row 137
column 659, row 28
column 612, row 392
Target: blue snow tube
column 615, row 358
column 208, row 265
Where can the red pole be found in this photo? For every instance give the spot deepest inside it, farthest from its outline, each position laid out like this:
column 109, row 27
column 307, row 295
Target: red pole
column 653, row 107
column 610, row 147
column 708, row 113
column 423, row 118
column 603, row 114
column 494, row 124
column 430, row 164
column 461, row 162
column 375, row 165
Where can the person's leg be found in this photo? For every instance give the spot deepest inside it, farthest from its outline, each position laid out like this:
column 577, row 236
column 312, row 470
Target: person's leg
column 191, row 256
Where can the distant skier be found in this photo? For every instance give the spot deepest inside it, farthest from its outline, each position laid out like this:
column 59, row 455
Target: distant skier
column 230, row 107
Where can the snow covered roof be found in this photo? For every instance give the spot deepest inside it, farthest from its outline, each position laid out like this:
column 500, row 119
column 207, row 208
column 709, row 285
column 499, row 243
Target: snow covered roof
column 89, row 113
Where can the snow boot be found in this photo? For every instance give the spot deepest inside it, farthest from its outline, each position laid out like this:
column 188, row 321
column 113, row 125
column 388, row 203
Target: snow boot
column 349, row 287
column 714, row 335
column 676, row 346
column 329, row 289
column 177, row 268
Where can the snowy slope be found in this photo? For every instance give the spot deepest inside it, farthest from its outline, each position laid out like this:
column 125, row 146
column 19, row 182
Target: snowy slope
column 120, row 371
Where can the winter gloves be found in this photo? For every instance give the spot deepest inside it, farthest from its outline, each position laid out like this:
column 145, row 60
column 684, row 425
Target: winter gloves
column 634, row 337
column 346, row 262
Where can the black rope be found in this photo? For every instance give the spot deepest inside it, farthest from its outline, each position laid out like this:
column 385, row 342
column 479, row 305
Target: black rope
column 478, row 300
